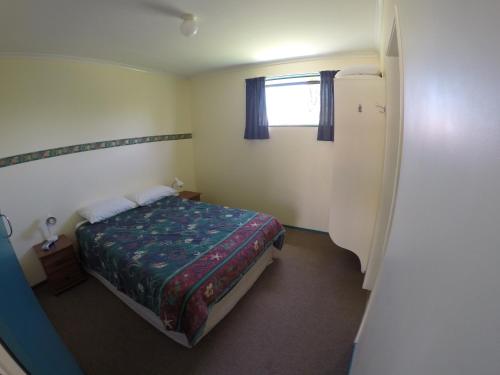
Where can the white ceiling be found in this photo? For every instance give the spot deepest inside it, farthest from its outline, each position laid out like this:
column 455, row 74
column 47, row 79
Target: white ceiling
column 232, row 32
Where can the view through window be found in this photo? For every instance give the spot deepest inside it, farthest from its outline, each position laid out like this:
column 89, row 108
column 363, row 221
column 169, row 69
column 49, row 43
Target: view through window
column 293, row 100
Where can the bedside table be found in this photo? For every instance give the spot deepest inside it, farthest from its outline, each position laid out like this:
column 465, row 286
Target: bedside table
column 61, row 265
column 191, row 195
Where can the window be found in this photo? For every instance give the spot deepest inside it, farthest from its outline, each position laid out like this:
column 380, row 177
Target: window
column 293, row 100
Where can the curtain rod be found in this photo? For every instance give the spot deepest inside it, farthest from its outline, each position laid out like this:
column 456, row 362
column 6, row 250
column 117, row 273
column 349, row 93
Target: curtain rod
column 305, row 75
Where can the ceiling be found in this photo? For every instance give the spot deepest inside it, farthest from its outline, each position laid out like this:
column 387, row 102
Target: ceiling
column 232, row 32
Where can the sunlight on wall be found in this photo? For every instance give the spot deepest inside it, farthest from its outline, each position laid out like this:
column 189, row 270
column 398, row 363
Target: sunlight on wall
column 285, row 51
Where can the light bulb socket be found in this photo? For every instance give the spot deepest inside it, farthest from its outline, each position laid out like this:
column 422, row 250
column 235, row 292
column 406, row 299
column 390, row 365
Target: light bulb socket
column 189, row 17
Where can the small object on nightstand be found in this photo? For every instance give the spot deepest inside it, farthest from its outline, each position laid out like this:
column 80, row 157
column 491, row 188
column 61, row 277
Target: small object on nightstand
column 177, row 184
column 191, row 195
column 46, row 228
column 61, row 265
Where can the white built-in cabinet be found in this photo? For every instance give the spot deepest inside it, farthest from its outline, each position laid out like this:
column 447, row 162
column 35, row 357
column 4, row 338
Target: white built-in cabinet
column 357, row 162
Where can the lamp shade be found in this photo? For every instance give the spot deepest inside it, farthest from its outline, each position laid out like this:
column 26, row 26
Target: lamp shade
column 177, row 184
column 189, row 26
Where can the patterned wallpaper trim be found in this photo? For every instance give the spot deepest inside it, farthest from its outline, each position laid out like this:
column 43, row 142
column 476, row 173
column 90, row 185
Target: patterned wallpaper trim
column 59, row 151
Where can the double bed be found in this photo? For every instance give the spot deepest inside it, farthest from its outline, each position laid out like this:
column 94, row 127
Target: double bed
column 180, row 264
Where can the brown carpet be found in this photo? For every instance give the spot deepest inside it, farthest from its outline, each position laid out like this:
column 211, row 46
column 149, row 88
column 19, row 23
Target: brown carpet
column 300, row 317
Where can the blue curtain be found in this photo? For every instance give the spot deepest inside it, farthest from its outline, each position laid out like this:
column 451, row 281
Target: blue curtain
column 327, row 113
column 256, row 118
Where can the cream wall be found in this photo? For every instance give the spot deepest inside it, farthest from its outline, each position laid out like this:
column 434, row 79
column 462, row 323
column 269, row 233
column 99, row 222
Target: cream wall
column 435, row 306
column 289, row 175
column 48, row 103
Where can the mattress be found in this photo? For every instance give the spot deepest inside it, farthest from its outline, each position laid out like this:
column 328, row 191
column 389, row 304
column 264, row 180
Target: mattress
column 178, row 258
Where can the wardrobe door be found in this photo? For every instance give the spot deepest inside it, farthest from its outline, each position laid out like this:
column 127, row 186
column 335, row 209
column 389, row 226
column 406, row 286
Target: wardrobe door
column 358, row 156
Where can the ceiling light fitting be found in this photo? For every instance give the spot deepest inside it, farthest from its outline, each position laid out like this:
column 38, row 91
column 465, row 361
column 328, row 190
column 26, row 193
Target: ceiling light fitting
column 189, row 26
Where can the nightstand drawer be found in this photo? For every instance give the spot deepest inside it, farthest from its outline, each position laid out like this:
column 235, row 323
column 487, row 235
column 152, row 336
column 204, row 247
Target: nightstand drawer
column 61, row 264
column 66, row 277
column 58, row 260
column 191, row 195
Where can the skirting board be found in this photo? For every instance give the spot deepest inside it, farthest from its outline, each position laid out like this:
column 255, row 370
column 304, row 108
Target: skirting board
column 304, row 229
column 352, row 357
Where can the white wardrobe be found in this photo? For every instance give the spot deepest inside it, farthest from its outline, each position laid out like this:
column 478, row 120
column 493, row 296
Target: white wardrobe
column 358, row 159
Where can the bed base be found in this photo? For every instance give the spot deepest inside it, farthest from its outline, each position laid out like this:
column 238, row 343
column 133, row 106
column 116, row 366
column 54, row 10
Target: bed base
column 217, row 311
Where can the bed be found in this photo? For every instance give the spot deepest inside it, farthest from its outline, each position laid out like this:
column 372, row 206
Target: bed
column 180, row 264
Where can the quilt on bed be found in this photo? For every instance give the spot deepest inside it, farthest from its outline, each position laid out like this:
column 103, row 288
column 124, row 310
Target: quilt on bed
column 177, row 257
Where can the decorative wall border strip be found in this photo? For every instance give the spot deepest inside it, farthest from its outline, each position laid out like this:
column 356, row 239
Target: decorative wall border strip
column 59, row 151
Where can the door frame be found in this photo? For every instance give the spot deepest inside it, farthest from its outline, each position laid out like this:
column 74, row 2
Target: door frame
column 396, row 31
column 394, row 49
column 9, row 363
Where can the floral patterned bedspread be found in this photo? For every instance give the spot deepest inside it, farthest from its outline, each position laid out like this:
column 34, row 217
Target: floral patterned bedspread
column 177, row 257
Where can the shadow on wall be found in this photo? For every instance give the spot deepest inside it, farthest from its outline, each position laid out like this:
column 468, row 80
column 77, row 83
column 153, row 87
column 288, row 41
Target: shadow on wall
column 245, row 199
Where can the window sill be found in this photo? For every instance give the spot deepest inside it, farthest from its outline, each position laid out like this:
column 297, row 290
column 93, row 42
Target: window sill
column 293, row 126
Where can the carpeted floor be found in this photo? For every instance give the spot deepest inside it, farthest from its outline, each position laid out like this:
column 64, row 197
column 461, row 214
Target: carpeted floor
column 300, row 317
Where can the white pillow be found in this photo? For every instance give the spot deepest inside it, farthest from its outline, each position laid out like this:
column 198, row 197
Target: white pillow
column 105, row 209
column 151, row 195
